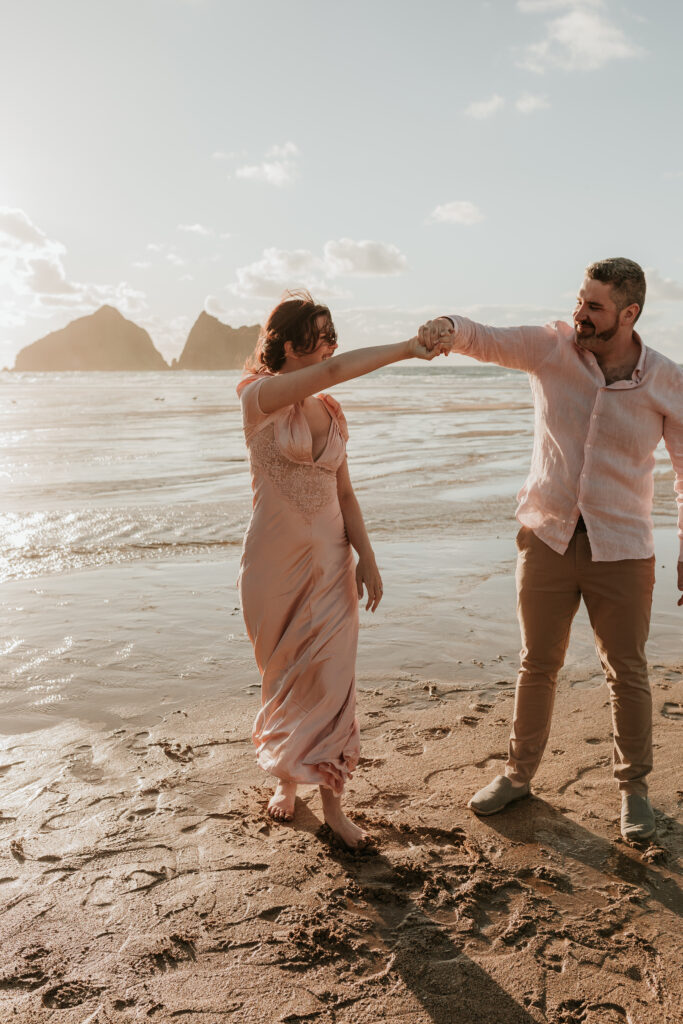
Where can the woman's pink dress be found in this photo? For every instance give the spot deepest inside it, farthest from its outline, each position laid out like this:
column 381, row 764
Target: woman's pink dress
column 297, row 585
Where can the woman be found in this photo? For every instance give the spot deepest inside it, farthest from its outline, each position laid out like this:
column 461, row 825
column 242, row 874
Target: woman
column 299, row 597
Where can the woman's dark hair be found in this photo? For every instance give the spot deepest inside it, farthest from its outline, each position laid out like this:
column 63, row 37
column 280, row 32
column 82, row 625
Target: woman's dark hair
column 292, row 320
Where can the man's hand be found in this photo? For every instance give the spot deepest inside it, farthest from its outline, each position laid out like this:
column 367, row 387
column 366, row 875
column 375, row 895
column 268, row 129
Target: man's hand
column 437, row 334
column 680, row 581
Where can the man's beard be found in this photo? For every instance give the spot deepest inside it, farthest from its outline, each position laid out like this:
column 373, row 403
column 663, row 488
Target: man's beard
column 603, row 336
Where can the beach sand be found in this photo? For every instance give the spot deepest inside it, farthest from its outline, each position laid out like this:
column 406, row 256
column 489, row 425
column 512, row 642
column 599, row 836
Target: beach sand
column 141, row 879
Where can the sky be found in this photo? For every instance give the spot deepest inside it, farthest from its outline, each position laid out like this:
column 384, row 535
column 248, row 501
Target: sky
column 399, row 159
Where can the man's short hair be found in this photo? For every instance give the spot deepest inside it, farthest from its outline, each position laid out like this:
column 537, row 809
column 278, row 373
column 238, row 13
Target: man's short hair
column 625, row 276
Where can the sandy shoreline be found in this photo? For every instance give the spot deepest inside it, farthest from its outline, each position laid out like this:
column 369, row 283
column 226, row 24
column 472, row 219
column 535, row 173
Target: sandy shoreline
column 142, row 881
column 121, row 645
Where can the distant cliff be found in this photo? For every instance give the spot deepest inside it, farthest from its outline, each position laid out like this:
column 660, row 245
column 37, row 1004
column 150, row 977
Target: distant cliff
column 212, row 345
column 105, row 340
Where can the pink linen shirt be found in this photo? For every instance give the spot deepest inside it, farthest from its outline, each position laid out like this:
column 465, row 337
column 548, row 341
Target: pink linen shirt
column 594, row 443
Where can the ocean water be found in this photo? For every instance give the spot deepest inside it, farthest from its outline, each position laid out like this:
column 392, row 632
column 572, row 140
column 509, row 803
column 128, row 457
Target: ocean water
column 102, row 468
column 124, row 499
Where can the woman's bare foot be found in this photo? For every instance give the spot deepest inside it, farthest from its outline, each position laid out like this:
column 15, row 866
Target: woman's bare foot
column 350, row 834
column 281, row 803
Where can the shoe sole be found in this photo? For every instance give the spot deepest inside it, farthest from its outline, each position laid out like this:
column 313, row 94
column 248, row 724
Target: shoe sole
column 497, row 810
column 639, row 835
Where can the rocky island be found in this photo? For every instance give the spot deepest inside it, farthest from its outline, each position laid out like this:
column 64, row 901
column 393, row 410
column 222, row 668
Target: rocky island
column 212, row 345
column 104, row 340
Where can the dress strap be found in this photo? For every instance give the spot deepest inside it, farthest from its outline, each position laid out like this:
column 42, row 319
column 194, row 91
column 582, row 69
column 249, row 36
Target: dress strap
column 335, row 410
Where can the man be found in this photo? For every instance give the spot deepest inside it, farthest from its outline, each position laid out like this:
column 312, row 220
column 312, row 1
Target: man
column 603, row 401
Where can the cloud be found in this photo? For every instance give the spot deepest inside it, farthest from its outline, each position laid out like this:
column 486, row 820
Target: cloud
column 457, row 212
column 169, row 253
column 279, row 269
column 196, row 229
column 47, row 277
column 580, row 40
column 528, row 103
column 16, row 230
column 279, row 168
column 34, row 282
column 485, row 108
column 175, row 259
column 663, row 289
column 366, row 259
column 237, row 316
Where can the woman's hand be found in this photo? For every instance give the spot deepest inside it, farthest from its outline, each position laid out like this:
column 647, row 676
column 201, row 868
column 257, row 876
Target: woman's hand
column 367, row 574
column 418, row 350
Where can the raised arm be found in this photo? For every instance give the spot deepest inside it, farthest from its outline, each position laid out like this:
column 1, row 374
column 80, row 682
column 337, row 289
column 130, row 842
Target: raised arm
column 288, row 388
column 519, row 348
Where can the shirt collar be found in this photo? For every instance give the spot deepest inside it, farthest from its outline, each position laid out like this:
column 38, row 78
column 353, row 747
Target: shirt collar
column 639, row 370
column 640, row 365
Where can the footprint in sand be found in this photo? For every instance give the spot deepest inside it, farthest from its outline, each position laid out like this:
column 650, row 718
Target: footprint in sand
column 177, row 752
column 137, row 744
column 412, row 749
column 491, row 760
column 81, row 765
column 26, row 980
column 16, row 848
column 437, row 732
column 578, row 1011
column 671, row 709
column 391, row 800
column 470, row 720
column 65, row 819
column 69, row 993
column 440, row 771
column 102, row 892
column 140, row 812
column 371, row 762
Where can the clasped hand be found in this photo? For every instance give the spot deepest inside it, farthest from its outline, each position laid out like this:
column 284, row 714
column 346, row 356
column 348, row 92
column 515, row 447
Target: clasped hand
column 437, row 335
column 433, row 339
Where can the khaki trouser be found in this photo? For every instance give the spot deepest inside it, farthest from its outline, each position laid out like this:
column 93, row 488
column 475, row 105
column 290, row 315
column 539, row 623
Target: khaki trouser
column 618, row 597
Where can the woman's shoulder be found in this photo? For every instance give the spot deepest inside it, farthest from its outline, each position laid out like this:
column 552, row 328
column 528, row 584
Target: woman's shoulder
column 251, row 377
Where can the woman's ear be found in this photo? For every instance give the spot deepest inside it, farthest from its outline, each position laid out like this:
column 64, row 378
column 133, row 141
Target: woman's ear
column 289, row 351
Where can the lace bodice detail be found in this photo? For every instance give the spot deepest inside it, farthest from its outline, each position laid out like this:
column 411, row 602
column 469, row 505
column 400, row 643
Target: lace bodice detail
column 306, row 486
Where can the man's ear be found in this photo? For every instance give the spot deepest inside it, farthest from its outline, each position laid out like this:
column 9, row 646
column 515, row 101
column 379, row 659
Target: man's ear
column 629, row 314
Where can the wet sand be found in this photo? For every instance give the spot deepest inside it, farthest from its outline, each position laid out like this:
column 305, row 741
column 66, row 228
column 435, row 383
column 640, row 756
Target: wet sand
column 124, row 644
column 141, row 879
